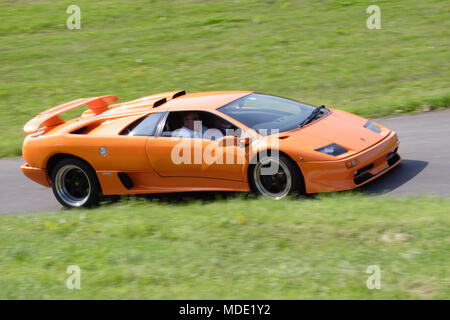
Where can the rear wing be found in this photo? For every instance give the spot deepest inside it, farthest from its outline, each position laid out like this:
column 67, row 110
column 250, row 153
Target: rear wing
column 50, row 118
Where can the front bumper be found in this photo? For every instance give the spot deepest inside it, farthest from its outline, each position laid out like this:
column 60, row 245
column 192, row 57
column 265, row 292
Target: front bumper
column 36, row 174
column 325, row 176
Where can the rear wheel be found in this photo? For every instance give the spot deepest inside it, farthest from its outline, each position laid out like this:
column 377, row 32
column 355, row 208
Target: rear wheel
column 75, row 184
column 276, row 176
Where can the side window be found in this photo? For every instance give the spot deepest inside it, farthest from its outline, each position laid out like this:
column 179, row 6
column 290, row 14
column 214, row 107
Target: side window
column 182, row 124
column 144, row 127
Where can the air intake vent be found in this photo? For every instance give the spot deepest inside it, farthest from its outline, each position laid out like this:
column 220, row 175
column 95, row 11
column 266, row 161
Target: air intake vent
column 79, row 131
column 159, row 102
column 126, row 180
column 394, row 159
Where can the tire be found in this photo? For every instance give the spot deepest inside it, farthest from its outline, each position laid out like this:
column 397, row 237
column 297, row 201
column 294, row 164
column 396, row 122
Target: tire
column 288, row 179
column 75, row 184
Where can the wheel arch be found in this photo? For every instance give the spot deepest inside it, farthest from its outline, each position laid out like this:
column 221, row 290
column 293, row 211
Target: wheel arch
column 57, row 157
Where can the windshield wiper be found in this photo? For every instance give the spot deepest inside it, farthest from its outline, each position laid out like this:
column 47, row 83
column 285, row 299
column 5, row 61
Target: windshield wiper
column 312, row 116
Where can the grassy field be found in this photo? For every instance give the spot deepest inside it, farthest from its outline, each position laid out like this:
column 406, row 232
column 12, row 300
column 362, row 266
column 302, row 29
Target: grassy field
column 232, row 249
column 316, row 51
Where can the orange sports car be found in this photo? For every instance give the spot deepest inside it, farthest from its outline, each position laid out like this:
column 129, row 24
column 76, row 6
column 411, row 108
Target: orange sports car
column 222, row 141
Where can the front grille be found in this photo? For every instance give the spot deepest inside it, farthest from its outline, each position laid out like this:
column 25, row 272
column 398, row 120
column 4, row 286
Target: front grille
column 364, row 169
column 362, row 178
column 390, row 154
column 392, row 160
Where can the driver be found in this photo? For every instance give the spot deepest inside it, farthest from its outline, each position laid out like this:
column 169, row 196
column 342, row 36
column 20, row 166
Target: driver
column 192, row 126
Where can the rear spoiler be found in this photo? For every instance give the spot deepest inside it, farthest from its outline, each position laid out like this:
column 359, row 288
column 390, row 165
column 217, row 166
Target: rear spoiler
column 50, row 118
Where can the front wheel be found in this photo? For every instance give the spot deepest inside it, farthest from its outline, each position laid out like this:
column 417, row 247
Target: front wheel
column 276, row 176
column 75, row 184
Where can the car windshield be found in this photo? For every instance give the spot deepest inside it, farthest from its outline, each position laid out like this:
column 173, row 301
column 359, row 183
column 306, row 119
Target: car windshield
column 268, row 114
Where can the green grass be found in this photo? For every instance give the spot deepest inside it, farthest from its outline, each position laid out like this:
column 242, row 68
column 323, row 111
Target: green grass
column 232, row 249
column 316, row 51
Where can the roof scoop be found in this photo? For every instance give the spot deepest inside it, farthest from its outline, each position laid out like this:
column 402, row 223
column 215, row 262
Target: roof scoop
column 159, row 102
column 179, row 94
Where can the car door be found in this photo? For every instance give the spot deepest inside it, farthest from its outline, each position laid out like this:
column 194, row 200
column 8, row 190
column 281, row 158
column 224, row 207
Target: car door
column 174, row 156
column 224, row 158
column 227, row 163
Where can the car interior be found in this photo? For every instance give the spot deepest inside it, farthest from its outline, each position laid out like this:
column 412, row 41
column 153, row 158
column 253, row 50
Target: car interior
column 175, row 121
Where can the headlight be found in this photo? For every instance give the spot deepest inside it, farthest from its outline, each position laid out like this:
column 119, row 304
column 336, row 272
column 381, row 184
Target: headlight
column 332, row 149
column 372, row 126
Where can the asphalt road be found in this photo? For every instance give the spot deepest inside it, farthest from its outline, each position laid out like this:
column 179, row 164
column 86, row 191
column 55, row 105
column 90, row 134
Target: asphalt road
column 424, row 147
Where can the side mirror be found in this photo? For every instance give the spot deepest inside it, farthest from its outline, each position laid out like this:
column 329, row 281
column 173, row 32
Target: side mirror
column 244, row 142
column 229, row 141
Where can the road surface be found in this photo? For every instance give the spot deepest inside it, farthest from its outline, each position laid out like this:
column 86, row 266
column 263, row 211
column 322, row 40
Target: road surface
column 424, row 147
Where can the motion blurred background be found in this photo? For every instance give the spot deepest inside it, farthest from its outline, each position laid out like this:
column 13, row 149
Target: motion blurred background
column 317, row 51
